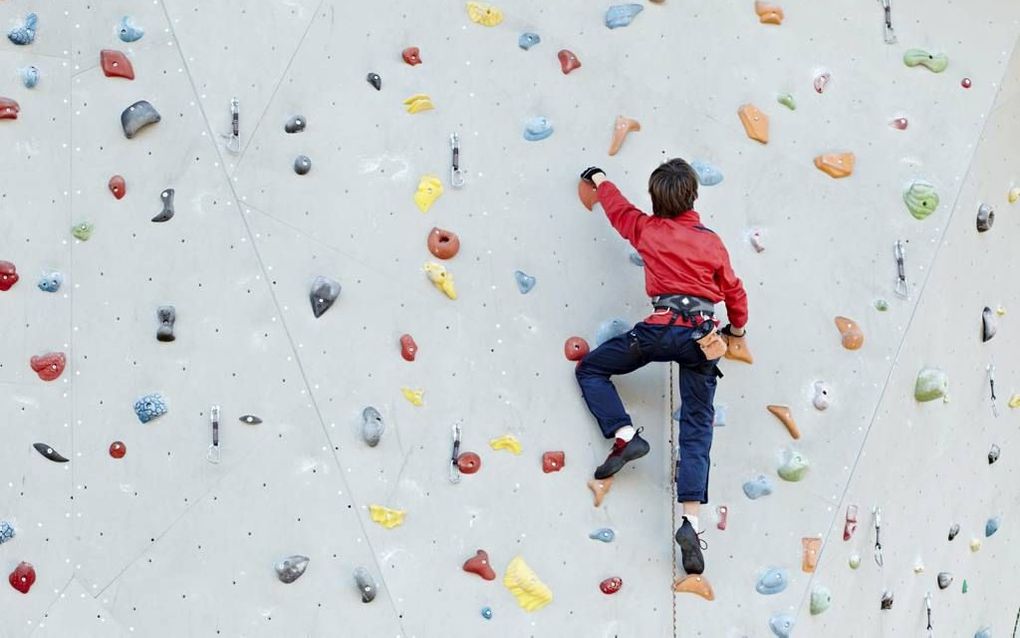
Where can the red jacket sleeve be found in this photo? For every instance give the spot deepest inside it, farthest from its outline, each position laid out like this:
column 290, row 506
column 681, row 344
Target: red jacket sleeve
column 627, row 219
column 733, row 291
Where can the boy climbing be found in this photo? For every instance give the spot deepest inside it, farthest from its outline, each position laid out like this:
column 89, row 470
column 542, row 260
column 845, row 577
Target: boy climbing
column 687, row 272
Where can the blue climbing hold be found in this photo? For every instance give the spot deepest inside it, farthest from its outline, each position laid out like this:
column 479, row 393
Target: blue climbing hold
column 708, row 174
column 991, row 526
column 528, row 40
column 603, row 534
column 984, row 632
column 29, row 76
column 537, row 128
column 781, row 625
column 6, row 532
column 525, row 282
column 758, row 487
column 719, row 420
column 487, row 613
column 51, row 281
column 609, row 329
column 24, row 34
column 635, row 259
column 128, row 32
column 773, row 581
column 150, row 407
column 620, row 15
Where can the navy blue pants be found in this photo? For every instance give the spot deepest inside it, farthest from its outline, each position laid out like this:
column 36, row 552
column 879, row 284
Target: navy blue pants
column 634, row 349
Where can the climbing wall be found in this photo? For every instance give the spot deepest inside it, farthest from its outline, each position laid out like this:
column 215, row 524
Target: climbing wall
column 145, row 528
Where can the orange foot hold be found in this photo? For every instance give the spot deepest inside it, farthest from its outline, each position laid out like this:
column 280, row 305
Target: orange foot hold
column 812, row 547
column 756, row 123
column 587, row 194
column 600, row 489
column 853, row 336
column 783, row 414
column 623, row 126
column 836, row 164
column 768, row 13
column 736, row 349
column 694, row 584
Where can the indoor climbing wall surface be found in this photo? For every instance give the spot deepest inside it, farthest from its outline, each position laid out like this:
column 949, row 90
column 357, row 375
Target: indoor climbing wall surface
column 134, row 523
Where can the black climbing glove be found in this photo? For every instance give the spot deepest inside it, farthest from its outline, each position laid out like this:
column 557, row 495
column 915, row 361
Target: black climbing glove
column 728, row 331
column 590, row 172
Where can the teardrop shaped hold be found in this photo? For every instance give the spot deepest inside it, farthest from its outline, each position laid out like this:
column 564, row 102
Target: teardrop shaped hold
column 9, row 109
column 138, row 116
column 851, row 333
column 694, row 584
column 621, row 128
column 375, row 80
column 295, row 124
column 934, row 62
column 372, row 426
column 756, row 123
column 769, row 13
column 787, row 100
column 610, row 586
column 479, row 564
column 115, row 64
column 443, row 244
column 921, row 199
column 117, row 186
column 781, row 625
column 324, row 292
column 836, row 165
column 525, row 282
column 568, row 61
column 783, row 413
column 302, row 164
column 993, row 454
column 603, row 535
column 991, row 526
column 944, row 580
column 600, row 488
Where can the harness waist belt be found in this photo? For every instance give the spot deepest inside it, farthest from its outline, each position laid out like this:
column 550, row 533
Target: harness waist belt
column 685, row 305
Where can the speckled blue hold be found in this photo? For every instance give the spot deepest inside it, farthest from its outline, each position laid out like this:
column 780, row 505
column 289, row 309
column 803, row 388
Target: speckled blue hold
column 149, row 407
column 6, row 532
column 984, row 632
column 537, row 128
column 128, row 31
column 758, row 487
column 525, row 282
column 24, row 34
column 487, row 613
column 635, row 259
column 609, row 329
column 528, row 40
column 603, row 534
column 29, row 76
column 991, row 526
column 773, row 581
column 51, row 281
column 621, row 15
column 708, row 174
column 781, row 625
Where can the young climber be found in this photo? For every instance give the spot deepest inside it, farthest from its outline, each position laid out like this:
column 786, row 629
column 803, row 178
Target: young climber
column 687, row 272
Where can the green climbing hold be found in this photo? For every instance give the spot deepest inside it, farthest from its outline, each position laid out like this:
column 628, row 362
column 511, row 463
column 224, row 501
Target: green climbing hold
column 881, row 305
column 965, row 585
column 921, row 199
column 794, row 466
column 934, row 62
column 932, row 384
column 821, row 598
column 787, row 100
column 82, row 231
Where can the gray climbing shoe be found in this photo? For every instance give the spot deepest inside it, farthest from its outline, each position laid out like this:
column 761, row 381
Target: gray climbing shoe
column 622, row 453
column 690, row 548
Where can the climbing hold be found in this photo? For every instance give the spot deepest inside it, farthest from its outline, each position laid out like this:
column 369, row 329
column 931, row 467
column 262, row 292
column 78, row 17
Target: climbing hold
column 718, row 419
column 794, row 466
column 429, row 190
column 921, row 199
column 295, row 124
column 854, row 561
column 588, row 194
column 441, row 278
column 487, row 613
column 411, row 55
column 985, row 218
column 887, row 599
column 537, row 128
column 49, row 452
column 375, row 80
column 600, row 488
column 811, row 547
column 934, row 62
column 408, row 348
column 291, row 568
column 115, row 64
column 23, row 576
column 118, row 449
column 621, row 128
column 150, row 406
column 418, row 102
column 531, row 593
column 758, row 487
column 611, row 585
column 1014, row 401
column 723, row 513
column 932, row 384
column 988, row 325
column 6, row 532
column 836, row 165
column 821, row 81
column 444, row 244
column 954, row 529
column 9, row 109
column 975, row 544
column 568, row 62
column 82, row 230
column 575, row 349
column 25, row 32
column 787, row 100
column 781, row 625
column 479, row 564
column 469, row 462
column 993, row 454
column 756, row 123
column 137, row 116
column 773, row 581
column 323, row 293
column 366, row 584
column 853, row 336
column 822, row 397
column 945, row 579
column 603, row 534
column 881, row 305
column 821, row 598
column 117, row 186
column 1012, row 196
column 50, row 281
column 991, row 526
column 966, row 83
column 553, row 461
column 388, row 518
column 506, row 442
column 372, row 426
column 415, row 397
column 984, row 632
column 525, row 282
column 694, row 584
column 48, row 366
column 900, row 123
column 621, row 15
column 484, row 14
column 768, row 13
column 302, row 164
column 528, row 40
column 128, row 31
column 167, row 317
column 29, row 76
column 736, row 349
column 783, row 413
column 609, row 329
column 708, row 175
column 918, row 566
column 850, row 523
column 8, row 275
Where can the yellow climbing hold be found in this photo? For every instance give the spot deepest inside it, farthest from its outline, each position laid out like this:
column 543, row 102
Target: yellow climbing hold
column 385, row 516
column 1014, row 401
column 442, row 279
column 507, row 442
column 484, row 14
column 429, row 190
column 416, row 397
column 1014, row 194
column 975, row 544
column 531, row 593
column 418, row 102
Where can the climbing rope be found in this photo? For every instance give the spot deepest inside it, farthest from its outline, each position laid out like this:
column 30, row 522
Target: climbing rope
column 672, row 485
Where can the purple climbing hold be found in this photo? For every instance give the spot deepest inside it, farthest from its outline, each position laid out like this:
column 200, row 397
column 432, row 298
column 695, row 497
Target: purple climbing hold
column 324, row 292
column 137, row 116
column 167, row 197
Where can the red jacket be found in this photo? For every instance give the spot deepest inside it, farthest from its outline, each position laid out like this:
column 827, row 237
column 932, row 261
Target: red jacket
column 680, row 255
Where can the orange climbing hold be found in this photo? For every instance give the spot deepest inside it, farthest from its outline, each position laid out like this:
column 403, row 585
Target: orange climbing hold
column 587, row 194
column 621, row 128
column 736, row 349
column 836, row 164
column 756, row 123
column 694, row 584
column 812, row 547
column 783, row 414
column 444, row 244
column 853, row 336
column 768, row 13
column 600, row 489
column 575, row 348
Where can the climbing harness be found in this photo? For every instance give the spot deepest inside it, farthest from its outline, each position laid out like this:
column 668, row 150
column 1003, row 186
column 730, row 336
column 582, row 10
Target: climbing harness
column 214, row 450
column 890, row 34
column 454, row 468
column 457, row 179
column 877, row 511
column 901, row 279
column 234, row 139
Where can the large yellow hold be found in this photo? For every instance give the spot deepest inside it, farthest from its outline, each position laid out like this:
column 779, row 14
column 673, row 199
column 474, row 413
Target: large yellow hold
column 531, row 593
column 429, row 190
column 442, row 279
column 484, row 14
column 385, row 516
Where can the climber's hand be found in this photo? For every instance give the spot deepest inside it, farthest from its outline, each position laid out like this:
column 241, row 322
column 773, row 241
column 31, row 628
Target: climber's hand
column 730, row 331
column 589, row 174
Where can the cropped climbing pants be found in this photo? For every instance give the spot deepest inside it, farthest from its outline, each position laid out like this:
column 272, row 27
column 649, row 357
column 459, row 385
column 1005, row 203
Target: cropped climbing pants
column 634, row 349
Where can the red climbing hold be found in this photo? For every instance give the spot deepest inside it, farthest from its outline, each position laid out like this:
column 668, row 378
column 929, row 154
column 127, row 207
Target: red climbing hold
column 724, row 516
column 408, row 348
column 611, row 585
column 552, row 462
column 965, row 83
column 8, row 109
column 479, row 564
column 568, row 61
column 469, row 463
column 115, row 64
column 23, row 577
column 587, row 193
column 117, row 186
column 575, row 348
column 118, row 449
column 411, row 55
column 48, row 366
column 443, row 244
column 850, row 525
column 8, row 275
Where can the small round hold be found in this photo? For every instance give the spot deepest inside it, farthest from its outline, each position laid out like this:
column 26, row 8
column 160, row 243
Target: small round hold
column 900, row 123
column 469, row 463
column 375, row 80
column 295, row 124
column 966, row 83
column 302, row 165
column 487, row 613
column 118, row 449
column 611, row 585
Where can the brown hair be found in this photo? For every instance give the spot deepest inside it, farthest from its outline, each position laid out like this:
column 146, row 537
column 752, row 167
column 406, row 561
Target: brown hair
column 673, row 187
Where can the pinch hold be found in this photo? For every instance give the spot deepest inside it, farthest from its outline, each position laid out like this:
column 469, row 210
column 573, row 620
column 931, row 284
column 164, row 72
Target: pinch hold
column 443, row 244
column 137, row 116
column 836, row 165
column 49, row 453
column 783, row 413
column 429, row 190
column 934, row 62
column 621, row 15
column 531, row 593
column 621, row 128
column 756, row 123
column 441, row 279
column 811, row 546
column 989, row 325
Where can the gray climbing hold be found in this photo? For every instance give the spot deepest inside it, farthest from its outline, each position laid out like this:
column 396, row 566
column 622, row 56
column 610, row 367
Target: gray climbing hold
column 945, row 579
column 250, row 419
column 324, row 292
column 290, row 569
column 6, row 532
column 984, row 632
column 528, row 40
column 773, row 581
column 821, row 598
column 137, row 116
column 150, row 406
column 991, row 526
column 954, row 529
column 985, row 218
column 635, row 259
column 609, row 329
column 932, row 384
column 989, row 326
column 758, row 487
column 166, row 316
column 366, row 584
column 603, row 534
column 24, row 34
column 372, row 426
column 993, row 454
column 823, row 395
column 29, row 76
column 887, row 600
column 128, row 31
column 621, row 15
column 295, row 124
column 302, row 164
column 48, row 452
column 708, row 174
column 781, row 625
column 51, row 281
column 167, row 197
column 375, row 80
column 794, row 466
column 525, row 282
column 537, row 128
